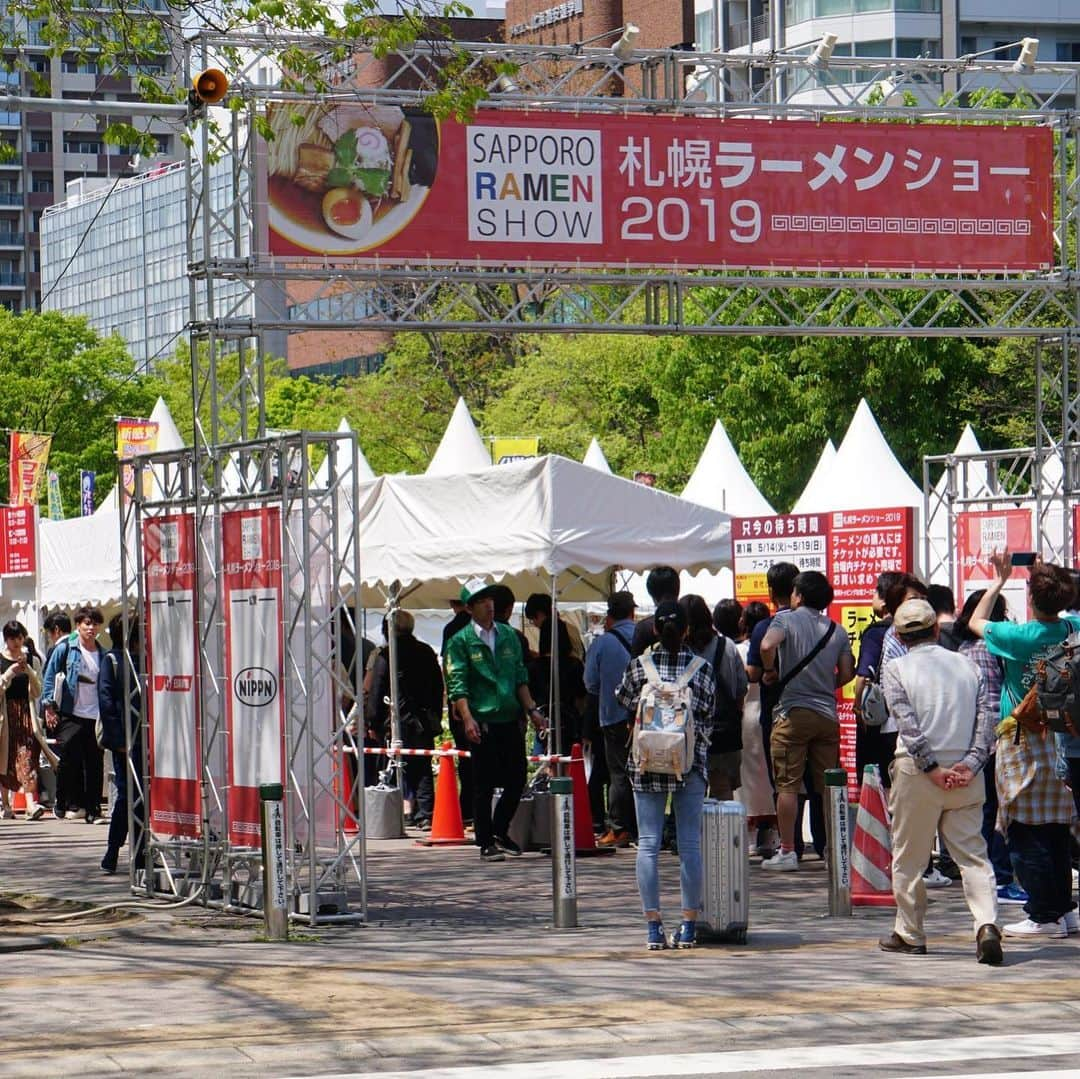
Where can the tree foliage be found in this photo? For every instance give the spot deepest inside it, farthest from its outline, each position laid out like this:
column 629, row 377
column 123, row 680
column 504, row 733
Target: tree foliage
column 62, row 378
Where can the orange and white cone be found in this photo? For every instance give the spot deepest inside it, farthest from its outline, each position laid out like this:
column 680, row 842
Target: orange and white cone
column 871, row 858
column 447, row 829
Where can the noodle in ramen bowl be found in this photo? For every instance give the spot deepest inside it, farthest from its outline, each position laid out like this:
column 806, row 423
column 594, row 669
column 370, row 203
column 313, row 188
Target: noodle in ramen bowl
column 346, row 177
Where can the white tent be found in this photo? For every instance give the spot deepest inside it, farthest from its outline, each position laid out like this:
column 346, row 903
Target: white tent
column 364, row 472
column 461, row 449
column 817, row 478
column 522, row 523
column 594, row 458
column 972, row 481
column 79, row 561
column 865, row 473
column 720, row 482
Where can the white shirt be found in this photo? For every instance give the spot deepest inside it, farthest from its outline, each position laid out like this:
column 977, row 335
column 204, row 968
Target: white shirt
column 86, row 698
column 488, row 636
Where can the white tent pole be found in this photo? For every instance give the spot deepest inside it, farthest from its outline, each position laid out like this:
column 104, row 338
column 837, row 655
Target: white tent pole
column 554, row 696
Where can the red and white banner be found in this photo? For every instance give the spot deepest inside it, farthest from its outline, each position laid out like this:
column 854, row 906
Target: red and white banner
column 552, row 188
column 254, row 663
column 851, row 547
column 28, row 459
column 173, row 744
column 18, row 541
column 980, row 533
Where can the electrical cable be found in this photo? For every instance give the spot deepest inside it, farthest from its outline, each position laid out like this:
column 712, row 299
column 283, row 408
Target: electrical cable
column 124, row 905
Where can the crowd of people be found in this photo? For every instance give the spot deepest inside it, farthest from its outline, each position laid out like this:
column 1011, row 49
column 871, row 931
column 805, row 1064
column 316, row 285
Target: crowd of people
column 944, row 707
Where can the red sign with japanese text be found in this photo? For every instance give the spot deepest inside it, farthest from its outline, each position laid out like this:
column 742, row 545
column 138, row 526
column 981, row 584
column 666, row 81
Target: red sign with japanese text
column 172, row 671
column 254, row 663
column 978, row 534
column 18, row 541
column 851, row 547
column 367, row 182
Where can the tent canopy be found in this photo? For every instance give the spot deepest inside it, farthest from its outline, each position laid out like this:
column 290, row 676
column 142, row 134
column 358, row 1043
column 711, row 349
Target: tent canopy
column 721, row 482
column 594, row 458
column 818, row 478
column 461, row 449
column 521, row 524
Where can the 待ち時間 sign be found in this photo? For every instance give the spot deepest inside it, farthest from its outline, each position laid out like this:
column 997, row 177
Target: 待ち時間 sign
column 364, row 181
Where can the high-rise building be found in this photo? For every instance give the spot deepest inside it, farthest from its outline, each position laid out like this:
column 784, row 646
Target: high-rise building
column 887, row 28
column 48, row 150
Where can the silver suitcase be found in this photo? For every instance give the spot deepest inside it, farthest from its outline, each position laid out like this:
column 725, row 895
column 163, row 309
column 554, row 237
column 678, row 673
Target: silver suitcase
column 726, row 872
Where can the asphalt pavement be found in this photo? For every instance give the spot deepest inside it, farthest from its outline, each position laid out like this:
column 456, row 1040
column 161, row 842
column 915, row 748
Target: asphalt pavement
column 458, row 972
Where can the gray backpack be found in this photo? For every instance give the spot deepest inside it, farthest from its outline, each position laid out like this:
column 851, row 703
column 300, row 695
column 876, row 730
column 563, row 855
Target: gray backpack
column 1057, row 684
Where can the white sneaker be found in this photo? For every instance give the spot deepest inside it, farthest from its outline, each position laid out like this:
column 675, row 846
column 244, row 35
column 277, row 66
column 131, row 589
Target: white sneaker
column 1028, row 928
column 1072, row 923
column 936, row 879
column 75, row 814
column 782, row 862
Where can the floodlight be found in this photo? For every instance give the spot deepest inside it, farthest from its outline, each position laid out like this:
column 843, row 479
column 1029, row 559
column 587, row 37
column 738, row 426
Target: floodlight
column 1024, row 64
column 823, row 51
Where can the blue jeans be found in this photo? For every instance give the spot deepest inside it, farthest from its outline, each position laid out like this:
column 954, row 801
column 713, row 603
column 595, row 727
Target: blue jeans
column 1040, row 856
column 688, row 802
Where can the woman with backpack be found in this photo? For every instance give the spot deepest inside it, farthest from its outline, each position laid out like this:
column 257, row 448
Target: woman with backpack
column 648, row 679
column 1035, row 808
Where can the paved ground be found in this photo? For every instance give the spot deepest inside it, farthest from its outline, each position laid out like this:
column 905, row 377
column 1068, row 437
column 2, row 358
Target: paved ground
column 458, row 972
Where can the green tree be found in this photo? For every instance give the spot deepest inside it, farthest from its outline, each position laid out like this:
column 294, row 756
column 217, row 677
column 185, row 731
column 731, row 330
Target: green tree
column 62, row 378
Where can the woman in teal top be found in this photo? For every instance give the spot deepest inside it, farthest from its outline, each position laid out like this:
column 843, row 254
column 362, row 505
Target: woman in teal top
column 1035, row 809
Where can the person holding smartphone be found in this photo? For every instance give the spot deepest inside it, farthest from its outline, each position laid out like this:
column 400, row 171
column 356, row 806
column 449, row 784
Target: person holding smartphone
column 1035, row 808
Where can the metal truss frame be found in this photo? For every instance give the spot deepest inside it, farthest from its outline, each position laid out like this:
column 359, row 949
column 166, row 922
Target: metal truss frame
column 327, row 849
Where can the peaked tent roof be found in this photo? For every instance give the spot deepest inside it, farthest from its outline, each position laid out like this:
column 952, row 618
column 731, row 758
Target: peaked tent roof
column 864, row 474
column 818, row 477
column 461, row 449
column 521, row 523
column 594, row 458
column 720, row 482
column 363, row 469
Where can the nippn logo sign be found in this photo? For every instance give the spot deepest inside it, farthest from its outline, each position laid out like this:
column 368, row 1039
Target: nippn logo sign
column 173, row 683
column 255, row 687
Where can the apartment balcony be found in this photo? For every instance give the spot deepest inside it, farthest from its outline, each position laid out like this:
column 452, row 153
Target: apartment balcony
column 9, row 279
column 11, row 198
column 11, row 239
column 14, row 161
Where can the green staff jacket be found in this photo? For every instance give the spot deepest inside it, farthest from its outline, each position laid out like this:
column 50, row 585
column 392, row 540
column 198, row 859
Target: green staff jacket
column 488, row 682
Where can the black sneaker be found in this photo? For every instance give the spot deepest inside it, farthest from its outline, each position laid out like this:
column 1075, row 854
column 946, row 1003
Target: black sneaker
column 507, row 846
column 492, row 854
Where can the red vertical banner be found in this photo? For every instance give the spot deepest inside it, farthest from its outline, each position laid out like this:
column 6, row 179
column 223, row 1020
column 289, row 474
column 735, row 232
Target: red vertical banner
column 978, row 535
column 254, row 663
column 173, row 747
column 18, row 541
column 862, row 544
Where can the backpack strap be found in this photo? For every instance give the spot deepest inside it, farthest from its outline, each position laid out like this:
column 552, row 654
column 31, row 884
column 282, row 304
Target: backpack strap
column 621, row 639
column 803, row 663
column 692, row 668
column 648, row 665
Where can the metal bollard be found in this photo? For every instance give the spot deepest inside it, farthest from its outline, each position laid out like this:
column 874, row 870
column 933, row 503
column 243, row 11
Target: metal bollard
column 563, row 875
column 839, row 845
column 275, row 898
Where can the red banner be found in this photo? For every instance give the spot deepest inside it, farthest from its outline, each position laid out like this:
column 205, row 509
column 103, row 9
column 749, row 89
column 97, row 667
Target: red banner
column 18, row 541
column 28, row 457
column 978, row 535
column 851, row 547
column 550, row 188
column 173, row 743
column 254, row 663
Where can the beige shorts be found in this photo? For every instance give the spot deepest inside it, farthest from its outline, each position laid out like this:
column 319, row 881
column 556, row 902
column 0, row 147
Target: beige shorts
column 798, row 735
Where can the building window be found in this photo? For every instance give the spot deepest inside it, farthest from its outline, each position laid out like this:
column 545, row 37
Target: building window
column 40, row 142
column 77, row 67
column 1006, row 50
column 41, row 181
column 80, row 144
column 1068, row 52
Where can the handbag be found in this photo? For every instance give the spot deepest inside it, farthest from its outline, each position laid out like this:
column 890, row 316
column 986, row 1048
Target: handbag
column 875, row 709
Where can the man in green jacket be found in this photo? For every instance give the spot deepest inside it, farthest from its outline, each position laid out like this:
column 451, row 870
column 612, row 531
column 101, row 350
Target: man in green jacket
column 488, row 688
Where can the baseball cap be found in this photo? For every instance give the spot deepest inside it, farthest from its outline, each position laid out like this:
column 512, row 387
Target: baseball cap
column 475, row 588
column 668, row 613
column 913, row 615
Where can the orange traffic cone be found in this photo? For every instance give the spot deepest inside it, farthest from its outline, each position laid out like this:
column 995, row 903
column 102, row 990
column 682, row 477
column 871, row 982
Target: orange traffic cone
column 18, row 802
column 584, row 837
column 871, row 859
column 447, row 828
column 346, row 790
